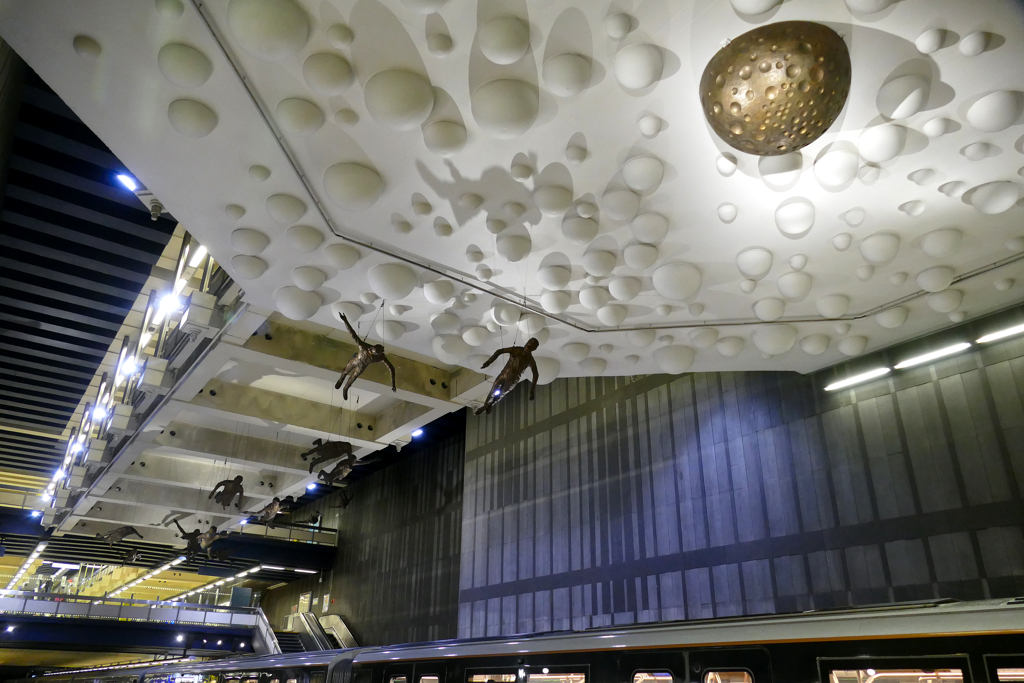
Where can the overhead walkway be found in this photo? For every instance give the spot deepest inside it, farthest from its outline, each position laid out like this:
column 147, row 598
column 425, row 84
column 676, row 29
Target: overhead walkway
column 53, row 621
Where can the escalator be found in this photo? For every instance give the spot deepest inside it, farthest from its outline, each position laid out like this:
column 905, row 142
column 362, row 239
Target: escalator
column 289, row 641
column 313, row 635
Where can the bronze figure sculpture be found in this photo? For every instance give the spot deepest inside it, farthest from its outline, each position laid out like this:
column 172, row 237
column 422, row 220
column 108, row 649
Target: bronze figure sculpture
column 335, row 476
column 191, row 539
column 132, row 555
column 367, row 355
column 231, row 488
column 119, row 534
column 209, row 537
column 519, row 359
column 268, row 513
column 326, row 452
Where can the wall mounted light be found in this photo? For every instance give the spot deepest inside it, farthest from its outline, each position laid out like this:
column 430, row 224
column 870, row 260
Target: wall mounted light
column 1001, row 334
column 857, row 379
column 941, row 353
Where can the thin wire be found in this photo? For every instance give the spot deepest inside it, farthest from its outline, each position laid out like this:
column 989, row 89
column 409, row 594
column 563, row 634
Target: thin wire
column 374, row 320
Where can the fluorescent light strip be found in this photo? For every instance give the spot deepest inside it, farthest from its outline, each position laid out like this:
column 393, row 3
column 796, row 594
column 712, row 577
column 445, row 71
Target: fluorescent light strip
column 1001, row 334
column 857, row 379
column 948, row 351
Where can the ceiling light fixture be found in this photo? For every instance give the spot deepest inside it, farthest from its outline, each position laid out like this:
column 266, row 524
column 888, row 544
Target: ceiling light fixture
column 310, row 487
column 416, row 433
column 1001, row 334
column 857, row 379
column 197, row 257
column 924, row 358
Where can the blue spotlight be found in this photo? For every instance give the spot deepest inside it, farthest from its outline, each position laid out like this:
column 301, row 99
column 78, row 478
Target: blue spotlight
column 128, row 181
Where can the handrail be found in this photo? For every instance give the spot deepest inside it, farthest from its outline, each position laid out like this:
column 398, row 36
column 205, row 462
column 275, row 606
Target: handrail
column 266, row 641
column 98, row 607
column 316, row 632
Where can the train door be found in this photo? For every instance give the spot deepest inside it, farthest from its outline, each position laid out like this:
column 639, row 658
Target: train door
column 730, row 665
column 654, row 667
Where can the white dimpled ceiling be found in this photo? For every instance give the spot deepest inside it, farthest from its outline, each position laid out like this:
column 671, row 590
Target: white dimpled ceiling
column 455, row 175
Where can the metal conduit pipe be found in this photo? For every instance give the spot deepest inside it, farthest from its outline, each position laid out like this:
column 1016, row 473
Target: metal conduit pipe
column 498, row 292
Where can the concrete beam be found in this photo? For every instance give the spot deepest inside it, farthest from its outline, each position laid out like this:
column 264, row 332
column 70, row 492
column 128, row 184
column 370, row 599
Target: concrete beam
column 192, row 473
column 160, row 497
column 272, row 407
column 416, row 381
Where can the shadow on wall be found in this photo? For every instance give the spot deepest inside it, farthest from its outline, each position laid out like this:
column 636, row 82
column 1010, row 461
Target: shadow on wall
column 618, row 500
column 395, row 577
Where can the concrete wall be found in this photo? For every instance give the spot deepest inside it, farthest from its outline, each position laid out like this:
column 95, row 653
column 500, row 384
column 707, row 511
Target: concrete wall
column 613, row 501
column 395, row 579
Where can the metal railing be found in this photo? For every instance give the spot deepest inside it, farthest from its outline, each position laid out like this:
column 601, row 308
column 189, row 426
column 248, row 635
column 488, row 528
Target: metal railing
column 293, row 532
column 92, row 607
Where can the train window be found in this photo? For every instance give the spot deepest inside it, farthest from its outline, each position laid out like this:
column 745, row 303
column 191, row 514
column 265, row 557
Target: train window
column 1011, row 675
column 556, row 678
column 492, row 678
column 429, row 679
column 652, row 677
column 317, row 677
column 897, row 676
column 731, row 677
column 397, row 679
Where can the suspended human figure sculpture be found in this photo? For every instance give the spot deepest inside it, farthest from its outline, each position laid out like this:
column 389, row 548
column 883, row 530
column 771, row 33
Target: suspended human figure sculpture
column 231, row 488
column 268, row 513
column 191, row 539
column 519, row 358
column 335, row 476
column 132, row 555
column 119, row 534
column 326, row 452
column 209, row 537
column 367, row 355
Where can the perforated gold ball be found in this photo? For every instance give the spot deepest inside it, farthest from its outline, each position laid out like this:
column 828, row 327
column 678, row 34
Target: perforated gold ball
column 777, row 88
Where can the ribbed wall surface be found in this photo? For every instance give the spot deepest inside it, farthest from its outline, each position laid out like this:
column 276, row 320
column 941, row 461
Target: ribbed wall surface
column 609, row 501
column 76, row 248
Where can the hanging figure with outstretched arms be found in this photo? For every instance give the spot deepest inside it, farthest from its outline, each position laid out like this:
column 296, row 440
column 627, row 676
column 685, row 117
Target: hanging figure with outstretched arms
column 209, row 537
column 325, row 452
column 367, row 355
column 267, row 514
column 119, row 534
column 224, row 492
column 519, row 358
column 191, row 539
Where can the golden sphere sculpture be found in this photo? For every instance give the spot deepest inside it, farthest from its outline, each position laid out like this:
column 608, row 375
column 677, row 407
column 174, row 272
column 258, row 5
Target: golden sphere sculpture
column 777, row 88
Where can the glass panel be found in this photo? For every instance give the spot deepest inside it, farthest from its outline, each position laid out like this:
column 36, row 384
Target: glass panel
column 729, row 677
column 397, row 679
column 557, row 678
column 652, row 677
column 428, row 679
column 1011, row 674
column 492, row 678
column 898, row 676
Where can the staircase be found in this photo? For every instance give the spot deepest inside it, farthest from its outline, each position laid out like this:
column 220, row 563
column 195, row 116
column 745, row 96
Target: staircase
column 289, row 641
